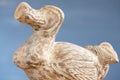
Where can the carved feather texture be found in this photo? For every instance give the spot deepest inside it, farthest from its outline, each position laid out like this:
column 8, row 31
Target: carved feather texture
column 44, row 59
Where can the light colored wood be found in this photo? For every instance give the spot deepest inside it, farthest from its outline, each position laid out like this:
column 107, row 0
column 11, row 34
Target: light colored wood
column 106, row 55
column 44, row 59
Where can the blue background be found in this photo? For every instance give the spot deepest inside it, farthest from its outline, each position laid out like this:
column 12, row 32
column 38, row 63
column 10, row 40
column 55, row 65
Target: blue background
column 86, row 22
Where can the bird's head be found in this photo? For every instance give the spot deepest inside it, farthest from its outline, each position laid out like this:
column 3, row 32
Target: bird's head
column 109, row 53
column 105, row 53
column 47, row 18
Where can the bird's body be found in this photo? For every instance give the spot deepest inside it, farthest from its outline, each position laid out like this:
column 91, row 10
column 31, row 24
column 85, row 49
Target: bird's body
column 65, row 61
column 44, row 59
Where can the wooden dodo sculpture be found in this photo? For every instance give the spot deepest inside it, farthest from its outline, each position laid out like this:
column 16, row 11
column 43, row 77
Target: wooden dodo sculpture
column 44, row 59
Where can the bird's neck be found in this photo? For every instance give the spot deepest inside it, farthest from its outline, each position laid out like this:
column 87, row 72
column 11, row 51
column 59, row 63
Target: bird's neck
column 41, row 41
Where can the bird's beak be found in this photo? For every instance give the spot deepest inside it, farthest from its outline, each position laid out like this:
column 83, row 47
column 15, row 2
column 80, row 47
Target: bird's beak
column 116, row 60
column 26, row 14
column 21, row 10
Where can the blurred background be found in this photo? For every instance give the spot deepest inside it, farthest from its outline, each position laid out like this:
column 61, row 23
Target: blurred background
column 86, row 22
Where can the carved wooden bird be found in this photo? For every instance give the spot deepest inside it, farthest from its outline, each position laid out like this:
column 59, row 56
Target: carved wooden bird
column 44, row 59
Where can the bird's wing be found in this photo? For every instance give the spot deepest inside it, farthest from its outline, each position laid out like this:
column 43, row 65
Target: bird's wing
column 74, row 63
column 76, row 70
